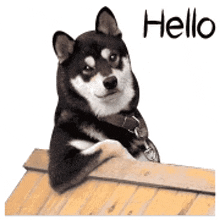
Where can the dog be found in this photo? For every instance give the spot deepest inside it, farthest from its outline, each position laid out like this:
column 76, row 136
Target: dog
column 96, row 118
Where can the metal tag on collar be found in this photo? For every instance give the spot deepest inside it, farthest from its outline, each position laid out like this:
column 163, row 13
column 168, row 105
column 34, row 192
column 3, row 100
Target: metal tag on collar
column 138, row 133
column 136, row 129
column 149, row 153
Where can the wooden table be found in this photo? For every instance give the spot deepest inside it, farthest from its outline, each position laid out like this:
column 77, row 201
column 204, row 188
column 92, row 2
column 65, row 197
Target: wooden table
column 118, row 187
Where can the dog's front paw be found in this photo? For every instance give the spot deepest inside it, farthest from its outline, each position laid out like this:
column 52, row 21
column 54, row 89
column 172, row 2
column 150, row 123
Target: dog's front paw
column 116, row 149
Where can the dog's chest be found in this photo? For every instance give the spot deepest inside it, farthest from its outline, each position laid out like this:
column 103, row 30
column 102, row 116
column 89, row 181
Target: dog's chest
column 130, row 142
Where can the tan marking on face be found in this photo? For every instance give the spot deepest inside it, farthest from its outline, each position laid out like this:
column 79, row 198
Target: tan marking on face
column 105, row 53
column 93, row 78
column 90, row 61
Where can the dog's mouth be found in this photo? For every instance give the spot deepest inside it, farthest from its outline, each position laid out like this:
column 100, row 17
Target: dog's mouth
column 109, row 94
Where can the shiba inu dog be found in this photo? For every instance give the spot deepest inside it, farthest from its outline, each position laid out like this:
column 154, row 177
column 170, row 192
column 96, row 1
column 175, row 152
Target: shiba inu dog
column 96, row 118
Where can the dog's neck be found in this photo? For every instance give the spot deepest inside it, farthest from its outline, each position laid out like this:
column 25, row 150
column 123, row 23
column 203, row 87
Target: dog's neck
column 126, row 121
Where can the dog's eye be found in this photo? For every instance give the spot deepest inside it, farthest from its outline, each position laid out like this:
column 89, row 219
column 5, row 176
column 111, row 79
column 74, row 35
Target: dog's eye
column 113, row 57
column 87, row 69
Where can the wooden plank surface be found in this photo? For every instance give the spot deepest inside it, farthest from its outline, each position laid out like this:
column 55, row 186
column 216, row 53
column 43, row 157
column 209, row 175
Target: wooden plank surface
column 160, row 175
column 118, row 199
column 38, row 160
column 99, row 197
column 169, row 202
column 142, row 173
column 139, row 201
column 37, row 197
column 33, row 196
column 55, row 203
column 79, row 197
column 22, row 192
column 203, row 205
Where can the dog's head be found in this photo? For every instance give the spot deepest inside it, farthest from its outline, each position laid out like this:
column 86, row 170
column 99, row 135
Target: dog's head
column 95, row 70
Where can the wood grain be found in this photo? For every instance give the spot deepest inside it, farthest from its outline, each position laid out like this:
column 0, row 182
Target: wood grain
column 140, row 199
column 99, row 197
column 142, row 173
column 37, row 197
column 169, row 202
column 203, row 205
column 118, row 199
column 22, row 192
column 79, row 197
column 38, row 160
column 117, row 187
column 55, row 203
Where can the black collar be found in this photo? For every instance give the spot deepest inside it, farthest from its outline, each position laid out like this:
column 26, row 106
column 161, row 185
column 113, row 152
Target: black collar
column 129, row 122
column 126, row 122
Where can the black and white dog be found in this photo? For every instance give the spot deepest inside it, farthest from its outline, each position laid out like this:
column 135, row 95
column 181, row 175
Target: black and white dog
column 96, row 117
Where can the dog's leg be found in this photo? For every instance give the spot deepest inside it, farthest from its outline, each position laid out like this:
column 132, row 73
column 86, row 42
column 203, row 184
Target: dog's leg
column 73, row 168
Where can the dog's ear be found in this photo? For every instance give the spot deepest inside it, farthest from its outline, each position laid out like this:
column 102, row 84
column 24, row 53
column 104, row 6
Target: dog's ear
column 106, row 23
column 63, row 45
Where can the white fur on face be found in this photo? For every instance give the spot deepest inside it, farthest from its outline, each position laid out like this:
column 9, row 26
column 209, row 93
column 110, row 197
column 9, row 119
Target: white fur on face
column 95, row 92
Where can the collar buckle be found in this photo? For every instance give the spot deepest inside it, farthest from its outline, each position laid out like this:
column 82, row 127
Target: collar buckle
column 135, row 129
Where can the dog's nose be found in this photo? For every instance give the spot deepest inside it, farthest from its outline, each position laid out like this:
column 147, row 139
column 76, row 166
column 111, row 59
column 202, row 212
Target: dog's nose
column 110, row 82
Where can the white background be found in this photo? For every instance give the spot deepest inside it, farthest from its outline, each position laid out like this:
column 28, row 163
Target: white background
column 178, row 78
